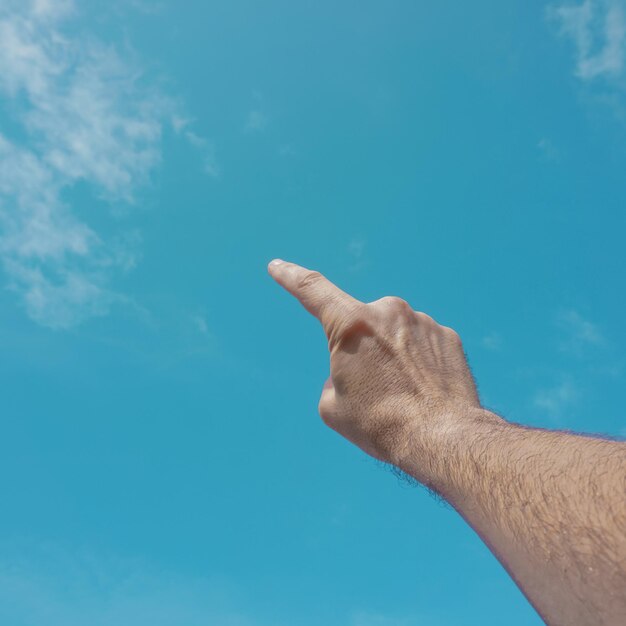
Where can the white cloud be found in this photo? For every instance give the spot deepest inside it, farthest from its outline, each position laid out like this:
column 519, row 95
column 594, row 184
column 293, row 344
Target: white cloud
column 356, row 247
column 492, row 341
column 554, row 400
column 287, row 150
column 579, row 334
column 356, row 250
column 151, row 7
column 58, row 588
column 256, row 122
column 598, row 30
column 200, row 324
column 181, row 126
column 77, row 111
column 548, row 150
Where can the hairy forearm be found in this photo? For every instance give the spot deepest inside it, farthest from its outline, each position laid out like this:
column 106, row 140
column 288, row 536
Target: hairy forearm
column 550, row 505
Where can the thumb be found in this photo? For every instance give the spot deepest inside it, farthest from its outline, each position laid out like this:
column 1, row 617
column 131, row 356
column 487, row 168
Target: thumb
column 328, row 401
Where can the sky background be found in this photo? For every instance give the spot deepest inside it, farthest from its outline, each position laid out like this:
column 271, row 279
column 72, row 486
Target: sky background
column 161, row 457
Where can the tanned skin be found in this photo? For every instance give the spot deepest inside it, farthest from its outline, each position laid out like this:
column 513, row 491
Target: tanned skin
column 550, row 505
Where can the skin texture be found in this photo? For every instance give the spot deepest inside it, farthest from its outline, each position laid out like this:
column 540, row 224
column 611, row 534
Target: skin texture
column 550, row 505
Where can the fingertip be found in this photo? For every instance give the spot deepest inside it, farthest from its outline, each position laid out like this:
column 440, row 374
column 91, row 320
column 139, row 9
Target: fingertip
column 273, row 265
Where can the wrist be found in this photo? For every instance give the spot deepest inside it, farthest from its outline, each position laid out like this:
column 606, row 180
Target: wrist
column 443, row 456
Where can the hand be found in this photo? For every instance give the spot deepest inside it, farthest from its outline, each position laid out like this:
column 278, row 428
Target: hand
column 399, row 382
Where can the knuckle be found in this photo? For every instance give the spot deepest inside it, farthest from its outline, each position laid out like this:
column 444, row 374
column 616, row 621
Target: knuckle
column 351, row 315
column 351, row 327
column 308, row 280
column 452, row 334
column 393, row 304
column 354, row 322
column 357, row 315
column 424, row 318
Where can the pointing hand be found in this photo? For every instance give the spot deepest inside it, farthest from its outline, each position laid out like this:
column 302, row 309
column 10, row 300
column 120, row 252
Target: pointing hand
column 398, row 380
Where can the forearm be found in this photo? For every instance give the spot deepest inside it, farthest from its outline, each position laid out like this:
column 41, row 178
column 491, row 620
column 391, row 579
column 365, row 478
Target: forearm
column 550, row 505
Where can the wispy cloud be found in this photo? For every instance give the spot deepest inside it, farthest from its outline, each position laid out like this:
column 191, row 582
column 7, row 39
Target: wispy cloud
column 492, row 341
column 59, row 588
column 257, row 119
column 287, row 150
column 76, row 110
column 578, row 334
column 356, row 250
column 182, row 127
column 200, row 323
column 548, row 151
column 589, row 357
column 554, row 400
column 53, row 585
column 598, row 30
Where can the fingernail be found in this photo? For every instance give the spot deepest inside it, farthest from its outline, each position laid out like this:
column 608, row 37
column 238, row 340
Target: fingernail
column 275, row 262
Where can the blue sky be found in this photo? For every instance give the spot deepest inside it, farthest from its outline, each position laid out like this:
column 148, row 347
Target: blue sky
column 161, row 457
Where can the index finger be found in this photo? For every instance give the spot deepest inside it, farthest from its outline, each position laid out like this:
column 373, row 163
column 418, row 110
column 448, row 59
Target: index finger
column 316, row 293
